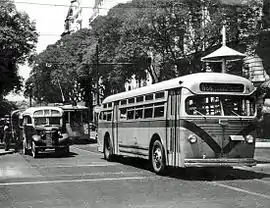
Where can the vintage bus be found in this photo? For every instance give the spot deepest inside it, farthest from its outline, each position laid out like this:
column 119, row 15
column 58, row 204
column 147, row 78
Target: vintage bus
column 197, row 120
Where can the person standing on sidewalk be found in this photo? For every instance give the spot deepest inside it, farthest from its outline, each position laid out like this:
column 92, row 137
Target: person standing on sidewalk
column 7, row 135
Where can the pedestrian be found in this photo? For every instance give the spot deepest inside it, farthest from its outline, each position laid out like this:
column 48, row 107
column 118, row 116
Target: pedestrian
column 7, row 135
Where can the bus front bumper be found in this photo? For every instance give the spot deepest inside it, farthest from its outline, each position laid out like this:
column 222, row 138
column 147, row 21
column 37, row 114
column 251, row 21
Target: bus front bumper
column 219, row 162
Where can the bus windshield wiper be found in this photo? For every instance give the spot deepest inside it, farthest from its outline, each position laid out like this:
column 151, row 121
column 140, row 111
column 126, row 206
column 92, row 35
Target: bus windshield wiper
column 236, row 114
column 201, row 114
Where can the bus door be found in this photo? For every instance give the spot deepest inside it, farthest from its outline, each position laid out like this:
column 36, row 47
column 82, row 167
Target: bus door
column 115, row 126
column 173, row 129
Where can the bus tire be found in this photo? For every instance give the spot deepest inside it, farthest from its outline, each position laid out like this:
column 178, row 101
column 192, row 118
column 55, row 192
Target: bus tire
column 108, row 150
column 158, row 157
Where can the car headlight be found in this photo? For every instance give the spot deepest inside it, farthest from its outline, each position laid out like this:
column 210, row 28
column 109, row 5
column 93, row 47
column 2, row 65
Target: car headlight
column 249, row 139
column 192, row 139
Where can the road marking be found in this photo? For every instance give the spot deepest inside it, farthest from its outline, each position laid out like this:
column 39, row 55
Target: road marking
column 78, row 180
column 93, row 164
column 240, row 190
column 95, row 153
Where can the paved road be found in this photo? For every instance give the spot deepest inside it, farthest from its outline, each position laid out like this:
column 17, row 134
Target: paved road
column 84, row 179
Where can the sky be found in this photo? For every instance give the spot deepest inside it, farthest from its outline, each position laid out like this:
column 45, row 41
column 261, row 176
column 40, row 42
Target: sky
column 50, row 23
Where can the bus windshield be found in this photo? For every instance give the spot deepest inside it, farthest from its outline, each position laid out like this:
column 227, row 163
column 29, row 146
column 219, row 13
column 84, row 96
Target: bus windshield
column 47, row 120
column 220, row 105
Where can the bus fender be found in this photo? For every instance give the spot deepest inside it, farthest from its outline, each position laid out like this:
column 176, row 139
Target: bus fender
column 153, row 139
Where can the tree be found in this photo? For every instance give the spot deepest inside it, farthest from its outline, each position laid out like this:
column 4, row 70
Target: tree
column 17, row 42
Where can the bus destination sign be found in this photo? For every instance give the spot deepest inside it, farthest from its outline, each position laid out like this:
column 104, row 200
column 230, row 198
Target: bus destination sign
column 220, row 87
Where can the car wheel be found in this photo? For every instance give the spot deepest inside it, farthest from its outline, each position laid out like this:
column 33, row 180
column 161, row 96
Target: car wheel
column 108, row 150
column 34, row 150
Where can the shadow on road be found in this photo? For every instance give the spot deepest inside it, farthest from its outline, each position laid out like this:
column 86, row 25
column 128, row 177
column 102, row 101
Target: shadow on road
column 199, row 174
column 53, row 154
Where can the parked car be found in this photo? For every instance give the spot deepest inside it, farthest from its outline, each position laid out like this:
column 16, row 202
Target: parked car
column 43, row 128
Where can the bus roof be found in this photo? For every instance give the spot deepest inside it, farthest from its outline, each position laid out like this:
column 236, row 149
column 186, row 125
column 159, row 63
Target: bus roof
column 190, row 81
column 30, row 111
column 72, row 107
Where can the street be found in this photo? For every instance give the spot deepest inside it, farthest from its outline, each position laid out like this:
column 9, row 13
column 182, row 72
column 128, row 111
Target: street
column 85, row 179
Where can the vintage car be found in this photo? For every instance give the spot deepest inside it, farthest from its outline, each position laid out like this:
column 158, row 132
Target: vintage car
column 44, row 128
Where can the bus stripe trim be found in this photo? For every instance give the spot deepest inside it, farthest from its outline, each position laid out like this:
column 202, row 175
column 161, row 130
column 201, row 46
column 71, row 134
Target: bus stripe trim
column 244, row 132
column 202, row 134
column 133, row 146
column 133, row 152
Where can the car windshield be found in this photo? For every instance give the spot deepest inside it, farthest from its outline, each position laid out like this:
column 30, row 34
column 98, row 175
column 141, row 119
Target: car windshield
column 220, row 106
column 47, row 120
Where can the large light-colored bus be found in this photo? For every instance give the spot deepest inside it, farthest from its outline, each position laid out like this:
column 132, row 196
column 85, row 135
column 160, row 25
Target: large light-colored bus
column 197, row 120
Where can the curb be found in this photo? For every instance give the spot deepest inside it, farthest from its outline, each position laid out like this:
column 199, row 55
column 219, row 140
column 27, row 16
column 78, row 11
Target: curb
column 7, row 152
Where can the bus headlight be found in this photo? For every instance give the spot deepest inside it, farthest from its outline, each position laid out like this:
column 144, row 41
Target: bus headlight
column 192, row 139
column 249, row 139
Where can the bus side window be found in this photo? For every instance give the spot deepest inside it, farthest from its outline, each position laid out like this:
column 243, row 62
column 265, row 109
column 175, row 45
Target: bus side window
column 159, row 111
column 123, row 113
column 148, row 112
column 104, row 116
column 130, row 114
column 138, row 113
column 109, row 116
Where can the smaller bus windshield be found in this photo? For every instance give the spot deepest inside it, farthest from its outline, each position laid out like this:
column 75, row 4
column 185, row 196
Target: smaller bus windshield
column 220, row 106
column 47, row 120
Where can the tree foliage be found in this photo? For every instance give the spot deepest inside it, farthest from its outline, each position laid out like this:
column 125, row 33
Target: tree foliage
column 17, row 41
column 165, row 38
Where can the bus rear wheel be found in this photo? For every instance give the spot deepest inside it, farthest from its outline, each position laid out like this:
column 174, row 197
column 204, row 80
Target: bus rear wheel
column 108, row 150
column 158, row 157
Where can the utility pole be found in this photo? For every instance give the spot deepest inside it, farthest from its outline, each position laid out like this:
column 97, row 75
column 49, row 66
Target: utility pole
column 97, row 79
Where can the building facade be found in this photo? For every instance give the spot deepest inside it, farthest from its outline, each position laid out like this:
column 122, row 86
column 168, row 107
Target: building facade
column 73, row 21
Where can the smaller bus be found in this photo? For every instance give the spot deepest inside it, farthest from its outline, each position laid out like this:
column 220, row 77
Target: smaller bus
column 197, row 120
column 43, row 128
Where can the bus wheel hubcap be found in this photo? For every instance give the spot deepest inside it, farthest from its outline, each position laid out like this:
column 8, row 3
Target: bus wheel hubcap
column 157, row 157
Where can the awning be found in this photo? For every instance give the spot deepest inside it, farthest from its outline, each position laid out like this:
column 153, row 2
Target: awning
column 223, row 53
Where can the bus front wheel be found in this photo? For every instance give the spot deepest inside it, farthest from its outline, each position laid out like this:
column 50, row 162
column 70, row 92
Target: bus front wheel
column 158, row 157
column 108, row 150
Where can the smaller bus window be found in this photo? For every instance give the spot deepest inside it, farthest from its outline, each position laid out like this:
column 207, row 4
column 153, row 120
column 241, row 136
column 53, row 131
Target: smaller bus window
column 123, row 113
column 105, row 105
column 100, row 115
column 109, row 116
column 160, row 95
column 159, row 111
column 139, row 113
column 131, row 100
column 139, row 99
column 149, row 97
column 47, row 112
column 109, row 105
column 104, row 116
column 130, row 113
column 123, row 102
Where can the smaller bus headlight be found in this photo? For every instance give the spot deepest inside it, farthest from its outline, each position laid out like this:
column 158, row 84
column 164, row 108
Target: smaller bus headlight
column 249, row 139
column 192, row 139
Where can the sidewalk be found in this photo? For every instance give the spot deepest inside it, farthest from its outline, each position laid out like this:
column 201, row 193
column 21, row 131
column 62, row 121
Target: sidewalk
column 3, row 152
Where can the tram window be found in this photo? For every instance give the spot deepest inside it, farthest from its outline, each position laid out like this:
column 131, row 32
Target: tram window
column 160, row 95
column 148, row 112
column 55, row 113
column 123, row 113
column 159, row 111
column 139, row 99
column 47, row 112
column 123, row 102
column 130, row 114
column 138, row 113
column 109, row 116
column 131, row 100
column 149, row 97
